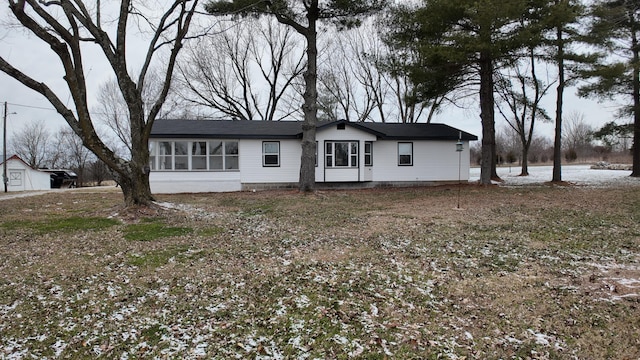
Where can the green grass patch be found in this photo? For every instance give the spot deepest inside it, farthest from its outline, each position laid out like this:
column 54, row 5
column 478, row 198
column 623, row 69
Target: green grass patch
column 67, row 225
column 153, row 334
column 149, row 231
column 211, row 231
column 157, row 258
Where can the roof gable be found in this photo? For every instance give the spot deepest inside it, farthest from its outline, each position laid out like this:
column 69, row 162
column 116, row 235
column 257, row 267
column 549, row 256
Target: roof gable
column 16, row 158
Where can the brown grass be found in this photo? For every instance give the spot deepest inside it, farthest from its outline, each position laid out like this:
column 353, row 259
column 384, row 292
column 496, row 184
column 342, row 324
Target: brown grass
column 542, row 272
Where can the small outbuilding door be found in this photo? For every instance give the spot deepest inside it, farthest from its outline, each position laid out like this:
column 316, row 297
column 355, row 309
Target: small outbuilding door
column 16, row 180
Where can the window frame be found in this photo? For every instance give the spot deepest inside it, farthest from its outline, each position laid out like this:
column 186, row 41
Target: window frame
column 164, row 155
column 164, row 151
column 181, row 155
column 353, row 158
column 233, row 157
column 369, row 154
column 196, row 158
column 400, row 155
column 265, row 154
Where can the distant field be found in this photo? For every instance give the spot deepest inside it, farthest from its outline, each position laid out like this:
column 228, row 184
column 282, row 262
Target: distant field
column 540, row 272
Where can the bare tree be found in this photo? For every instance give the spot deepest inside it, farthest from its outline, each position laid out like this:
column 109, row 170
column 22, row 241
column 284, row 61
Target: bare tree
column 304, row 17
column 78, row 156
column 405, row 101
column 98, row 172
column 576, row 135
column 541, row 149
column 508, row 146
column 32, row 144
column 243, row 72
column 362, row 80
column 71, row 28
column 408, row 108
column 349, row 81
column 112, row 111
column 521, row 90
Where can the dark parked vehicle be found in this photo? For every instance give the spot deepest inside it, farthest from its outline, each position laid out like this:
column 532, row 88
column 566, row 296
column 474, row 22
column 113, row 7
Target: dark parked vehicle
column 61, row 179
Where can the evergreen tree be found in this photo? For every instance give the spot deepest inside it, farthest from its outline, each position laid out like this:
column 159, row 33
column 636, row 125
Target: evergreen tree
column 465, row 41
column 616, row 28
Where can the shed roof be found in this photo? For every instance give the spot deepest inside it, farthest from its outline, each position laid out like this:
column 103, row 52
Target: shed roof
column 16, row 158
column 250, row 129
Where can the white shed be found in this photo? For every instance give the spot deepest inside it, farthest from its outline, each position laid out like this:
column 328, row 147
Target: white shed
column 22, row 177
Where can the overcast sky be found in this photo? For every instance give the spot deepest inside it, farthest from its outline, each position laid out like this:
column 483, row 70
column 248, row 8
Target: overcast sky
column 30, row 55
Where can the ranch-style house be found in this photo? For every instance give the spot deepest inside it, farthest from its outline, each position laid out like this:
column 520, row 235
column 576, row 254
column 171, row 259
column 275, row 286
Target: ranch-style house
column 226, row 155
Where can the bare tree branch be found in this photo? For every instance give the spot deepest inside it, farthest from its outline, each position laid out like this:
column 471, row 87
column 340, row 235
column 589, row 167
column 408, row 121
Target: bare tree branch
column 64, row 26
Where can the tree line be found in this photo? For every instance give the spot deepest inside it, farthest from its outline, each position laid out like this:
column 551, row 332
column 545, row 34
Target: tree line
column 581, row 142
column 42, row 148
column 316, row 60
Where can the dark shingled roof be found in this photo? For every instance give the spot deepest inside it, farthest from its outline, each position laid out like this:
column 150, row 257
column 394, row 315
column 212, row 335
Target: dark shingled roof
column 248, row 129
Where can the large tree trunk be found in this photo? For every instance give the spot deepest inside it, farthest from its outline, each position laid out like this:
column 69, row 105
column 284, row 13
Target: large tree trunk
column 524, row 171
column 135, row 185
column 487, row 116
column 557, row 143
column 307, row 179
column 134, row 179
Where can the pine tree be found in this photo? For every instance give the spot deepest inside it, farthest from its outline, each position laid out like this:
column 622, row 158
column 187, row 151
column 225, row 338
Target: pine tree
column 616, row 28
column 465, row 41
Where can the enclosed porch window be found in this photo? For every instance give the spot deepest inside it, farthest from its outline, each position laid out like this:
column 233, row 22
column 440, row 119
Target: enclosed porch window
column 341, row 153
column 213, row 155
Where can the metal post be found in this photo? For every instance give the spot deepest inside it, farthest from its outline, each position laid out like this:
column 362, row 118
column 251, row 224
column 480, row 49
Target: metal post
column 459, row 148
column 5, row 180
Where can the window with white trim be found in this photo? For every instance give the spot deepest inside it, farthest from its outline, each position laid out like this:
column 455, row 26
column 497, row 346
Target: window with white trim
column 214, row 155
column 368, row 153
column 199, row 155
column 270, row 153
column 405, row 154
column 181, row 155
column 341, row 153
column 165, row 155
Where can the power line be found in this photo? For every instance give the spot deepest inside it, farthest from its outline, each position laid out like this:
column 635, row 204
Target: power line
column 52, row 109
column 31, row 106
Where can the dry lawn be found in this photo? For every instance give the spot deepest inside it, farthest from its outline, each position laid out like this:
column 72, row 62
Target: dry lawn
column 519, row 273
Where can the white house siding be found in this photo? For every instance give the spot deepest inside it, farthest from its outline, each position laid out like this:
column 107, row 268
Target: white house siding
column 331, row 133
column 432, row 161
column 253, row 172
column 24, row 178
column 171, row 182
column 342, row 175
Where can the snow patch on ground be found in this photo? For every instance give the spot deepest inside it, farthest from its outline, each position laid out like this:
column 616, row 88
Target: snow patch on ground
column 581, row 175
